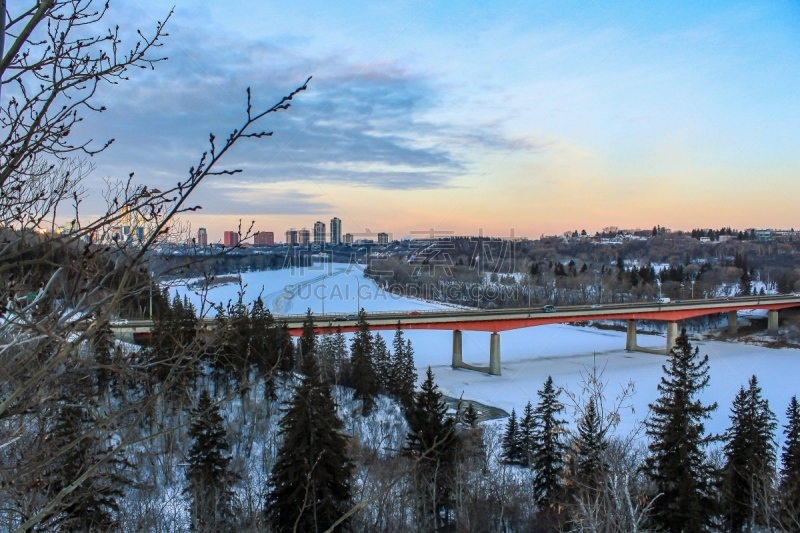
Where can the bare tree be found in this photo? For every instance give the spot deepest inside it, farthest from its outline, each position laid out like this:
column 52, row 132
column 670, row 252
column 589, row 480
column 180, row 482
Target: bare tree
column 61, row 285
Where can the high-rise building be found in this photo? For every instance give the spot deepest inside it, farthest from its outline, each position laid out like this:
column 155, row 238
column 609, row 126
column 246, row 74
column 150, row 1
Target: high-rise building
column 291, row 237
column 319, row 233
column 336, row 231
column 383, row 238
column 264, row 238
column 202, row 237
column 303, row 237
column 231, row 239
column 348, row 238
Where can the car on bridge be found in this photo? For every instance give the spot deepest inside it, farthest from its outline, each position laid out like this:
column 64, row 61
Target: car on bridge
column 549, row 309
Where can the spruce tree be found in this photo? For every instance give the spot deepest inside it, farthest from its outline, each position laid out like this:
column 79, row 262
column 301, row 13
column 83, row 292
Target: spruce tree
column 749, row 471
column 589, row 447
column 308, row 338
column 790, row 467
column 102, row 347
column 382, row 361
column 341, row 354
column 209, row 479
column 364, row 377
column 431, row 441
column 677, row 463
column 470, row 416
column 527, row 431
column 548, row 446
column 93, row 506
column 512, row 448
column 309, row 487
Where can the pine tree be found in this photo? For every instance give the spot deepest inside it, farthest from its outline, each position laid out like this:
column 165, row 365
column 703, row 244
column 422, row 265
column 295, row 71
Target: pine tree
column 308, row 338
column 341, row 354
column 102, row 348
column 93, row 506
column 548, row 446
column 364, row 377
column 382, row 361
column 431, row 441
column 749, row 471
column 470, row 416
column 790, row 467
column 589, row 447
column 677, row 463
column 512, row 448
column 209, row 479
column 527, row 431
column 309, row 487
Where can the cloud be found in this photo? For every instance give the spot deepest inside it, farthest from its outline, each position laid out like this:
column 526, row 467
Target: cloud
column 358, row 124
column 257, row 199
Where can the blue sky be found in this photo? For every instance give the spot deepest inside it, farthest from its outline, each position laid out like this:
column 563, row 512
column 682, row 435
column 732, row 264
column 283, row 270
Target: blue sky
column 532, row 116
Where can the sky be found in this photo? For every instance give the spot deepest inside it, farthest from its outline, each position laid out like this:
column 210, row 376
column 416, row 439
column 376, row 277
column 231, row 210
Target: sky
column 523, row 118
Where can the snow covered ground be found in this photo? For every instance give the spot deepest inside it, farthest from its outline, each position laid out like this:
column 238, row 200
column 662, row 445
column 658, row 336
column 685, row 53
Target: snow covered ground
column 528, row 355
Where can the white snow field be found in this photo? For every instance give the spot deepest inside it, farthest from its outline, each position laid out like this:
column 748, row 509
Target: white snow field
column 528, row 355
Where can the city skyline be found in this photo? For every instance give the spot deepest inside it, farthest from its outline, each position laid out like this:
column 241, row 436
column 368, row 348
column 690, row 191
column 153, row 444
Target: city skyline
column 532, row 117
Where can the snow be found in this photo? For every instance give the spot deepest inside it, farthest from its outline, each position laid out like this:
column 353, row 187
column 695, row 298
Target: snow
column 337, row 287
column 529, row 355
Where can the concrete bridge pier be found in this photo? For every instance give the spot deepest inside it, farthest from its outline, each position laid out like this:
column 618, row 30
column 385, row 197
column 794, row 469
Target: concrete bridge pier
column 733, row 322
column 672, row 334
column 630, row 338
column 457, row 362
column 494, row 354
column 772, row 322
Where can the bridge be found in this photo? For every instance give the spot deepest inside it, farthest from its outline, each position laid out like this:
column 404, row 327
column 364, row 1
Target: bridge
column 496, row 321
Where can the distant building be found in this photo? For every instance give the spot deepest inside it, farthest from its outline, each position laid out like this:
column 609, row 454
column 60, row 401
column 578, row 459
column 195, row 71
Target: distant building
column 264, row 238
column 764, row 234
column 336, row 231
column 383, row 238
column 202, row 237
column 231, row 239
column 319, row 233
column 348, row 238
column 303, row 237
column 291, row 237
column 726, row 238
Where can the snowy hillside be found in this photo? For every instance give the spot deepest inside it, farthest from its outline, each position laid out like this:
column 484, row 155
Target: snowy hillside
column 528, row 355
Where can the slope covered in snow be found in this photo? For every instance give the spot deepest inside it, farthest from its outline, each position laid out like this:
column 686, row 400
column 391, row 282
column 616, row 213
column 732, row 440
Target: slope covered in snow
column 528, row 355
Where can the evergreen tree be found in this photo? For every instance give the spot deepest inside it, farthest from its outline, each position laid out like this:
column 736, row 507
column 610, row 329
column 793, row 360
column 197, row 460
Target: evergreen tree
column 403, row 374
column 677, row 463
column 102, row 347
column 341, row 354
column 382, row 360
column 431, row 441
column 93, row 506
column 749, row 471
column 326, row 357
column 470, row 440
column 308, row 338
column 790, row 467
column 589, row 447
column 262, row 339
column 365, row 381
column 209, row 479
column 470, row 416
column 512, row 448
column 309, row 487
column 548, row 446
column 527, row 432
